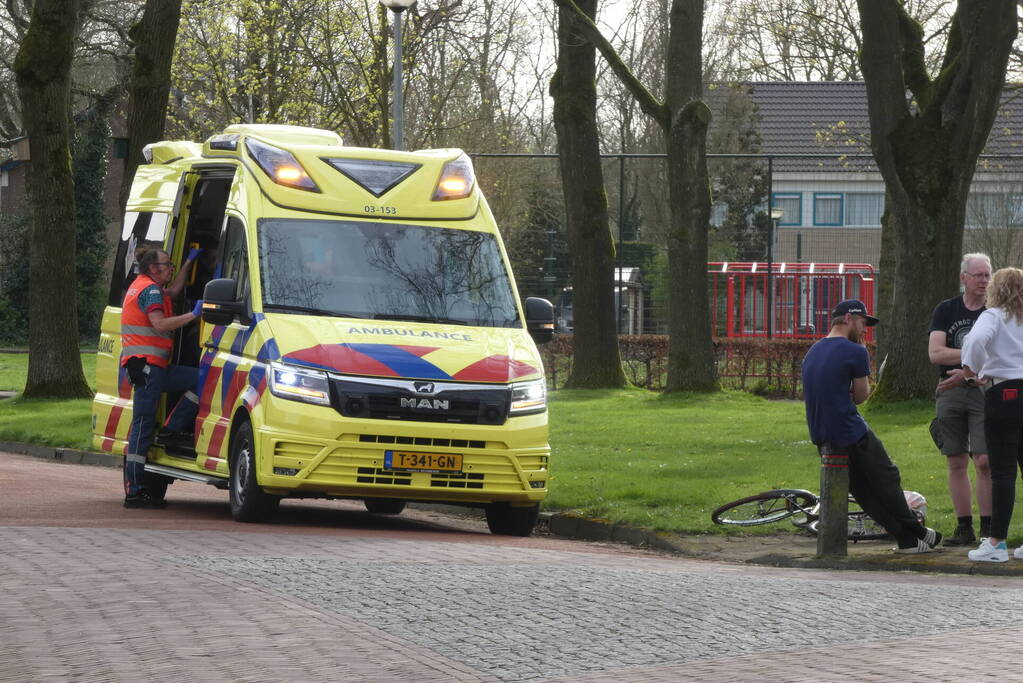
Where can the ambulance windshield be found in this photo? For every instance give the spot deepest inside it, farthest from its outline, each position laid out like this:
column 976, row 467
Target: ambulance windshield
column 385, row 271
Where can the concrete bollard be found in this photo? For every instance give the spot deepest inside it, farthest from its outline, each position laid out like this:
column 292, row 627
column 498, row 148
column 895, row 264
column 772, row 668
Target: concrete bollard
column 833, row 528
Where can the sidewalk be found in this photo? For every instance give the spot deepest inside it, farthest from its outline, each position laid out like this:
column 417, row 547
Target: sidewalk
column 790, row 549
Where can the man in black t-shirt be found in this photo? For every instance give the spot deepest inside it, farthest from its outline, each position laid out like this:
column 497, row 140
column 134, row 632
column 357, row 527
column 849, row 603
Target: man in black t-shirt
column 958, row 428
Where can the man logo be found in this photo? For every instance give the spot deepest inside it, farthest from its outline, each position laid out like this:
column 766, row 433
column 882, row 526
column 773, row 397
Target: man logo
column 423, row 387
column 424, row 403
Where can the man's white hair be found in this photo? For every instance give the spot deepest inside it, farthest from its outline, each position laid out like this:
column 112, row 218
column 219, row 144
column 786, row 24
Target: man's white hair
column 976, row 256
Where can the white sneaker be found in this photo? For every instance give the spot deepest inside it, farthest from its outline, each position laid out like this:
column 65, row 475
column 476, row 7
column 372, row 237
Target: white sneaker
column 1018, row 553
column 986, row 552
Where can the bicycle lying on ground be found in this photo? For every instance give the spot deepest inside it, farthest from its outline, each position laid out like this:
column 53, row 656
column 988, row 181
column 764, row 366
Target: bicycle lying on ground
column 803, row 508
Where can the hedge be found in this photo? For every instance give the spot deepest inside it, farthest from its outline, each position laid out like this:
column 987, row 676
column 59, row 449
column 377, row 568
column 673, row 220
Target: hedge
column 769, row 367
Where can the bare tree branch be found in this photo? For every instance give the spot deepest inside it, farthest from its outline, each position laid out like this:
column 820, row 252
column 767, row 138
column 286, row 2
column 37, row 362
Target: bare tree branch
column 647, row 102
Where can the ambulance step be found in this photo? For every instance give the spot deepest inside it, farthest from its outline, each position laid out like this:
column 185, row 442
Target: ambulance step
column 175, row 473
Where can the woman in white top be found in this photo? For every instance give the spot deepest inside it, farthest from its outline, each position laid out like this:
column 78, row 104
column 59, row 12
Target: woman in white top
column 993, row 357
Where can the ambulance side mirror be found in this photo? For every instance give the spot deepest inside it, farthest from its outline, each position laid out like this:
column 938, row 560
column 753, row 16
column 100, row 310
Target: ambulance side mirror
column 540, row 319
column 219, row 305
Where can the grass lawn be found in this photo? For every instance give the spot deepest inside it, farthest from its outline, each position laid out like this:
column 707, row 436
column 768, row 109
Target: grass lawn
column 49, row 423
column 14, row 370
column 632, row 456
column 667, row 461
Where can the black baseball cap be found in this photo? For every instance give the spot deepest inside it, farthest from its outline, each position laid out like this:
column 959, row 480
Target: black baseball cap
column 856, row 307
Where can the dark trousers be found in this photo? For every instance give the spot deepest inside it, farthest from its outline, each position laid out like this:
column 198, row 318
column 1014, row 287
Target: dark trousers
column 143, row 419
column 875, row 483
column 1003, row 428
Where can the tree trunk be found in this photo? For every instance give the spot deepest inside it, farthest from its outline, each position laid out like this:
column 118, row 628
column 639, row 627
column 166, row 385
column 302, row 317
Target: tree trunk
column 885, row 283
column 925, row 264
column 596, row 360
column 154, row 36
column 385, row 76
column 691, row 362
column 927, row 153
column 43, row 70
column 684, row 118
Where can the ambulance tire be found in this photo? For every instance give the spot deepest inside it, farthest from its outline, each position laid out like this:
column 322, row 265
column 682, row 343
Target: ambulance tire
column 384, row 506
column 249, row 502
column 155, row 484
column 505, row 520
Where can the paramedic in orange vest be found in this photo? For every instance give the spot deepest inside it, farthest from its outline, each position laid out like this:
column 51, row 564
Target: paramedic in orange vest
column 147, row 338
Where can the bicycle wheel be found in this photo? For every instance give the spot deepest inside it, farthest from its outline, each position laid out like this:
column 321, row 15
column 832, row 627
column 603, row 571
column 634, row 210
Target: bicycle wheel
column 860, row 526
column 863, row 528
column 764, row 508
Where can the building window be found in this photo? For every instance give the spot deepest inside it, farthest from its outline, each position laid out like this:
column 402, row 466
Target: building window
column 3, row 179
column 792, row 204
column 994, row 210
column 827, row 208
column 864, row 209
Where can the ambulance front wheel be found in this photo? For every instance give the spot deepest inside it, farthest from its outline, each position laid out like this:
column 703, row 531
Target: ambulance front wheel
column 505, row 520
column 249, row 503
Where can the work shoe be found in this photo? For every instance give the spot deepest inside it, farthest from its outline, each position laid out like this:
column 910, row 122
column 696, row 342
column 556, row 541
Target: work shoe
column 963, row 535
column 930, row 541
column 169, row 439
column 986, row 552
column 918, row 546
column 143, row 499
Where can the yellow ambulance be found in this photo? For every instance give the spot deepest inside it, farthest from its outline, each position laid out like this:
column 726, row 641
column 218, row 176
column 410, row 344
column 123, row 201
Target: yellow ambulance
column 361, row 335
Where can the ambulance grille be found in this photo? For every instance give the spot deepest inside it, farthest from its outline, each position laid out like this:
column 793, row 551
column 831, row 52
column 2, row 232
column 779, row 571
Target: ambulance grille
column 380, row 401
column 457, row 481
column 373, row 475
column 421, row 441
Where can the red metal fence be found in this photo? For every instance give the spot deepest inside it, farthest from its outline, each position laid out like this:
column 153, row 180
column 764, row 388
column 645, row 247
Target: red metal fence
column 803, row 296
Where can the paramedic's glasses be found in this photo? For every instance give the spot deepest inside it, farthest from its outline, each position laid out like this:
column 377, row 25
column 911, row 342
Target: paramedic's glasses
column 166, row 264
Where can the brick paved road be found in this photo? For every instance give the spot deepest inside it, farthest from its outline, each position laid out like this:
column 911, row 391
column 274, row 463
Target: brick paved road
column 201, row 599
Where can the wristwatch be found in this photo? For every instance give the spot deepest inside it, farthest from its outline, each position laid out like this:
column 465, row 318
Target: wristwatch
column 970, row 381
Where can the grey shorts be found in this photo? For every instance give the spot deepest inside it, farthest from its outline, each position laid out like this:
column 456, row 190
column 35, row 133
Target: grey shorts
column 959, row 425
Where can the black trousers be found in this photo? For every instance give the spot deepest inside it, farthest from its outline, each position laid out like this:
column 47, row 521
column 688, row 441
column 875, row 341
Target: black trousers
column 1003, row 428
column 875, row 483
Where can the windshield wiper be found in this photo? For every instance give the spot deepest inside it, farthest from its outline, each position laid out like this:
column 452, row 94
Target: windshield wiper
column 290, row 308
column 419, row 318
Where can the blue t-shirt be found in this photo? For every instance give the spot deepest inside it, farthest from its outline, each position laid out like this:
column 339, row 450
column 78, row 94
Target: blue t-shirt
column 828, row 371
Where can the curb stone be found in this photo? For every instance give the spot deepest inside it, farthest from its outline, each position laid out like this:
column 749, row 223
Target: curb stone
column 59, row 454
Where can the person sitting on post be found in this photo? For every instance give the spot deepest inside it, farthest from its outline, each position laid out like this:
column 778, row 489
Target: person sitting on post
column 835, row 373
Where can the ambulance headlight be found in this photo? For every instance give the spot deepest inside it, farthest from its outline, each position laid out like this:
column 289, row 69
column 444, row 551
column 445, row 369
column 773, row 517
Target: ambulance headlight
column 281, row 165
column 456, row 180
column 299, row 384
column 529, row 397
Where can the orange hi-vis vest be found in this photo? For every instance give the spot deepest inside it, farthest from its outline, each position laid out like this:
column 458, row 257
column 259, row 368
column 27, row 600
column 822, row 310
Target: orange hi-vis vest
column 138, row 336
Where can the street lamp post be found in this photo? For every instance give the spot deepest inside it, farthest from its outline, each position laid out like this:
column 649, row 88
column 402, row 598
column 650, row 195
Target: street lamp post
column 398, row 6
column 776, row 215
